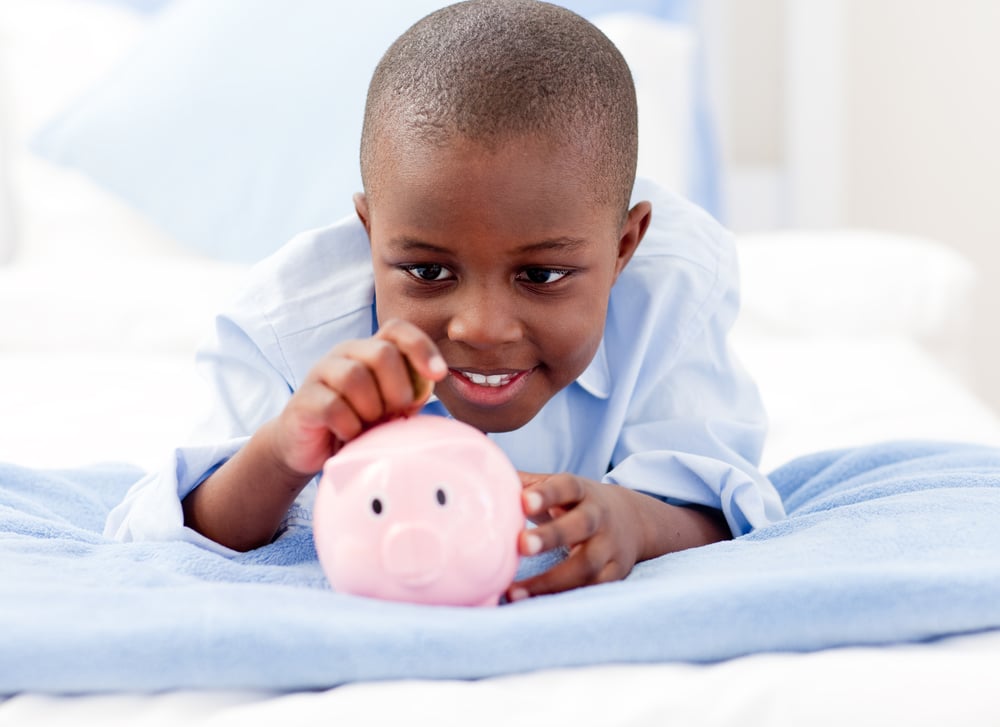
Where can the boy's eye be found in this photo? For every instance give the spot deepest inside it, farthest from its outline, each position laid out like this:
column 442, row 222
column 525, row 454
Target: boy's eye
column 543, row 276
column 429, row 273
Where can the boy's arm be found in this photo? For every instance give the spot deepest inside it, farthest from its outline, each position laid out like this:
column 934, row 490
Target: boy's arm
column 244, row 391
column 242, row 504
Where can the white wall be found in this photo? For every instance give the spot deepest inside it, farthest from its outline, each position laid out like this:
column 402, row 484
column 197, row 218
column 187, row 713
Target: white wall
column 6, row 215
column 922, row 120
column 882, row 114
column 747, row 86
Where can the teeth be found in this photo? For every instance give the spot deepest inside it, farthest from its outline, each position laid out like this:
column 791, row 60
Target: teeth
column 484, row 380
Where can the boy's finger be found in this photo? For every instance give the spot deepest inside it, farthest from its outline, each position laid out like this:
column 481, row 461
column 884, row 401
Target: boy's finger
column 351, row 383
column 585, row 566
column 532, row 502
column 574, row 527
column 326, row 408
column 531, row 478
column 555, row 491
column 420, row 352
column 390, row 371
column 342, row 421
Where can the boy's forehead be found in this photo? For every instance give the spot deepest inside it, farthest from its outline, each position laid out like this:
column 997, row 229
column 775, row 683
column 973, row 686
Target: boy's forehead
column 413, row 159
column 514, row 198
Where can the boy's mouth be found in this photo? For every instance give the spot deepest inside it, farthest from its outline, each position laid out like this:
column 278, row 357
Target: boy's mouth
column 493, row 388
column 491, row 380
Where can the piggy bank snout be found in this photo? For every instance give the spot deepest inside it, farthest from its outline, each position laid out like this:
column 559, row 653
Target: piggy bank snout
column 414, row 553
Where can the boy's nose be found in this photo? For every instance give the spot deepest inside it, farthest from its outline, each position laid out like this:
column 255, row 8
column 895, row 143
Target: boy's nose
column 484, row 321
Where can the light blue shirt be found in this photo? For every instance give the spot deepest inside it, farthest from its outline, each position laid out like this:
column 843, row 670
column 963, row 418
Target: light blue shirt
column 664, row 407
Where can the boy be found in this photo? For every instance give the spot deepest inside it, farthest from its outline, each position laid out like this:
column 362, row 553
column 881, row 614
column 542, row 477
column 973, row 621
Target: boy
column 495, row 252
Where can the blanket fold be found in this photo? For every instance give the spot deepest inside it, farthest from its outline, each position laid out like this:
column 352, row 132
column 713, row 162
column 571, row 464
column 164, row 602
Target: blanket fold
column 896, row 542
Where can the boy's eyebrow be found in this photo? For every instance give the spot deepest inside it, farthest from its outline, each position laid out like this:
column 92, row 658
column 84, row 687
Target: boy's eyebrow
column 411, row 244
column 561, row 244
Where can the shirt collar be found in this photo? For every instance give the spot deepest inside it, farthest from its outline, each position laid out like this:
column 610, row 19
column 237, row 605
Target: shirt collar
column 596, row 378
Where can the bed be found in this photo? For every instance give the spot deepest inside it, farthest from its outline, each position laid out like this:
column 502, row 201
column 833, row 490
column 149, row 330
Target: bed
column 855, row 337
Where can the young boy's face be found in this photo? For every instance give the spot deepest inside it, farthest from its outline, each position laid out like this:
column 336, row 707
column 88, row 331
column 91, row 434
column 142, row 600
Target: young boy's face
column 504, row 260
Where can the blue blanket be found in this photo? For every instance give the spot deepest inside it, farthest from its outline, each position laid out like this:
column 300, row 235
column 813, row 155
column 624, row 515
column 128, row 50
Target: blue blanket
column 891, row 543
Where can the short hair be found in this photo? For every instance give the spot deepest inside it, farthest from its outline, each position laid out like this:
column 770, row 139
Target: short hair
column 493, row 70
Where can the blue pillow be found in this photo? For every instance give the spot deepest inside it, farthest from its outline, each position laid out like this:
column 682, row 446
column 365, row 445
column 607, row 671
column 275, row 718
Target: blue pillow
column 675, row 11
column 703, row 184
column 236, row 123
column 147, row 7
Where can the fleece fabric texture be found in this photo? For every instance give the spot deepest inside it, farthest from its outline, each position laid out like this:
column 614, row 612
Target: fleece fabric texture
column 897, row 542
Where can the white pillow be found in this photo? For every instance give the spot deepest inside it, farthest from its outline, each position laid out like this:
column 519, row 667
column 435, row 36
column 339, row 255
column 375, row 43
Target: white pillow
column 6, row 211
column 148, row 306
column 51, row 52
column 852, row 282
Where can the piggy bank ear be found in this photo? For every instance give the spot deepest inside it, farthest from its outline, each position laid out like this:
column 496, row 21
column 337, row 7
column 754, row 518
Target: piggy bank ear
column 341, row 472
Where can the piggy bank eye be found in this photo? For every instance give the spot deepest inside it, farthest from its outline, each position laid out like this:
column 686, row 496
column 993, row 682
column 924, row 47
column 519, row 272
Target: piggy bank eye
column 377, row 506
column 441, row 497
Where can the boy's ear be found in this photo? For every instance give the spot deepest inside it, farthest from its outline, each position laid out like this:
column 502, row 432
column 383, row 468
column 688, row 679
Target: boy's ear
column 636, row 223
column 361, row 210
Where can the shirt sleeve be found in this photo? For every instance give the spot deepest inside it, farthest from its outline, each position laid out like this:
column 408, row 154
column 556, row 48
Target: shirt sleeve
column 707, row 454
column 694, row 426
column 246, row 390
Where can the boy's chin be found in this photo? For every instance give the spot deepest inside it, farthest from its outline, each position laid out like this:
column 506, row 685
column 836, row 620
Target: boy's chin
column 495, row 408
column 495, row 421
column 491, row 424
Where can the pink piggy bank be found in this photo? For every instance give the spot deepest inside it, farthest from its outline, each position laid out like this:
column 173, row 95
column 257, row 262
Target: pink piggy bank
column 424, row 509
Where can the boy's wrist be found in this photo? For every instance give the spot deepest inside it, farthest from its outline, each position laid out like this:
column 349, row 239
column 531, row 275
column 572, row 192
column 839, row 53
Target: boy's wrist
column 668, row 528
column 241, row 505
column 275, row 462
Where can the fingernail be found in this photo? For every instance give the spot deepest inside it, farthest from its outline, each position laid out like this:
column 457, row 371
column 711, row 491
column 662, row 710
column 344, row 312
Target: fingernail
column 532, row 543
column 437, row 366
column 518, row 594
column 532, row 502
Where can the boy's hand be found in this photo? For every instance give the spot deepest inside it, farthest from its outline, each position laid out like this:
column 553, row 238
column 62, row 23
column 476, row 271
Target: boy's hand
column 599, row 523
column 607, row 529
column 356, row 385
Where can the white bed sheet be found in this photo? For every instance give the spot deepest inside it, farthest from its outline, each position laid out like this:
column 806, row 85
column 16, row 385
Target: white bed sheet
column 826, row 392
column 950, row 682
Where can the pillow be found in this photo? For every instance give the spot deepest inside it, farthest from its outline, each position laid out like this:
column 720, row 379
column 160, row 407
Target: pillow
column 853, row 283
column 139, row 6
column 6, row 212
column 157, row 305
column 236, row 123
column 661, row 58
column 50, row 52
